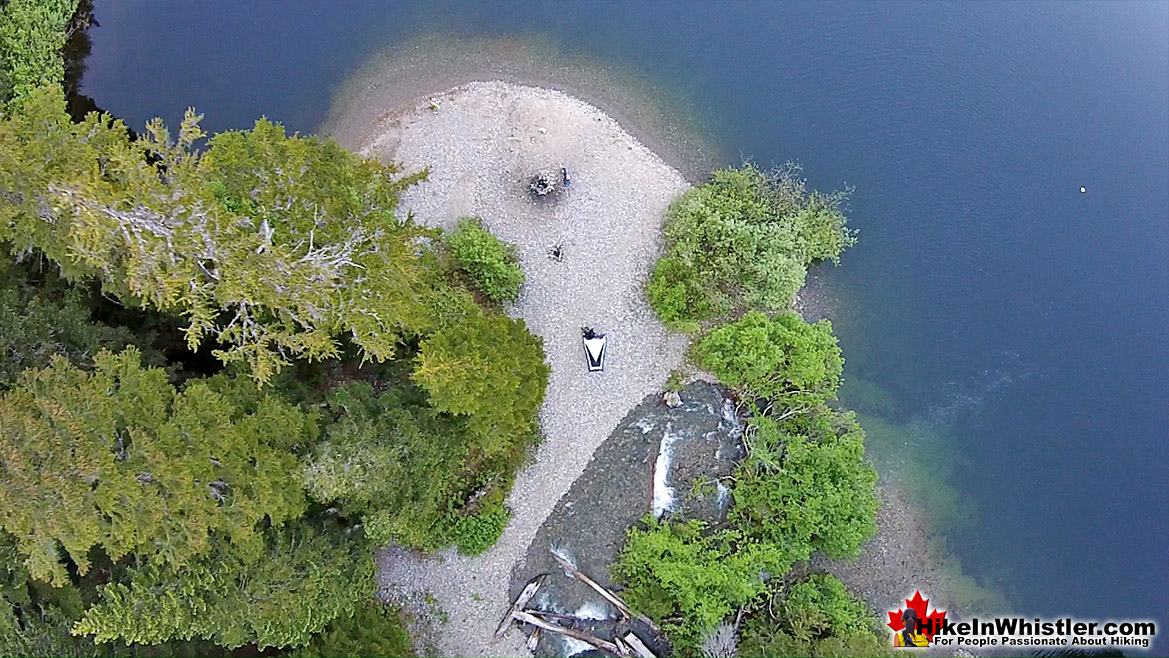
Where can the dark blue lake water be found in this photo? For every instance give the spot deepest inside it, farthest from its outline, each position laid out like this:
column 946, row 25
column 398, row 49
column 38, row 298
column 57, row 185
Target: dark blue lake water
column 1027, row 322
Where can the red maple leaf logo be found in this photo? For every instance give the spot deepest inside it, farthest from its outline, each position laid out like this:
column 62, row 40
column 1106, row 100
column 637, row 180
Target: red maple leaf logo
column 930, row 623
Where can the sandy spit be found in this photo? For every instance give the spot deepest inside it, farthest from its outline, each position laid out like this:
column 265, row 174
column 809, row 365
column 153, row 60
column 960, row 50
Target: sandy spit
column 482, row 145
column 660, row 116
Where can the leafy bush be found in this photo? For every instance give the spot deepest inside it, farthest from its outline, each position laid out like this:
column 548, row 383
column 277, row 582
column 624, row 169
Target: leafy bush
column 475, row 533
column 743, row 240
column 676, row 293
column 490, row 263
column 805, row 483
column 816, row 616
column 803, row 487
column 782, row 357
column 824, row 596
column 691, row 580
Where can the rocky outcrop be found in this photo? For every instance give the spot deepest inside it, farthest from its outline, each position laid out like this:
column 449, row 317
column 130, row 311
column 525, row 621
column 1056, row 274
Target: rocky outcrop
column 589, row 523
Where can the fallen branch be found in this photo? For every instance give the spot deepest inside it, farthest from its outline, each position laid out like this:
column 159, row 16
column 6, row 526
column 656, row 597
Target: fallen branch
column 608, row 596
column 638, row 646
column 583, row 637
column 526, row 595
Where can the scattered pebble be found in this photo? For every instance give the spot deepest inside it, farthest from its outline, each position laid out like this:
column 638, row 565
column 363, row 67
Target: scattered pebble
column 477, row 167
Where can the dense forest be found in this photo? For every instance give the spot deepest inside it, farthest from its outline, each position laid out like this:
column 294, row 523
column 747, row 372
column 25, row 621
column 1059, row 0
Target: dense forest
column 232, row 371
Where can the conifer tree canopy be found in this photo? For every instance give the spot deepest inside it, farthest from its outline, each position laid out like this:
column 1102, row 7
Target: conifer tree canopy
column 271, row 245
column 119, row 459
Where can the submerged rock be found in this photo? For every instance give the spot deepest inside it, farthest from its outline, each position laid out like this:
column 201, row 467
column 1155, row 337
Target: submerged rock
column 588, row 526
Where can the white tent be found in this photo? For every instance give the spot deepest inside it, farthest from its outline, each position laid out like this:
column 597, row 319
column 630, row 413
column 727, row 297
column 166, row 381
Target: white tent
column 594, row 347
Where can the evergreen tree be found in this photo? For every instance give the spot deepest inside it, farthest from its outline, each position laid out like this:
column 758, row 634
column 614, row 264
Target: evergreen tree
column 42, row 316
column 374, row 629
column 269, row 244
column 187, row 503
column 118, row 459
column 35, row 617
column 32, row 37
column 302, row 579
column 489, row 369
column 390, row 460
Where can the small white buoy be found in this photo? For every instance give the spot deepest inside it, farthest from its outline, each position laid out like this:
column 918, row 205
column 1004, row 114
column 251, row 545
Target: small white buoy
column 1083, row 190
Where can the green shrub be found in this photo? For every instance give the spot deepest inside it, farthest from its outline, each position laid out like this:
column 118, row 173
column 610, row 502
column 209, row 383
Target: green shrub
column 806, row 484
column 488, row 262
column 691, row 580
column 803, row 487
column 823, row 595
column 743, row 240
column 475, row 533
column 816, row 616
column 781, row 357
column 674, row 292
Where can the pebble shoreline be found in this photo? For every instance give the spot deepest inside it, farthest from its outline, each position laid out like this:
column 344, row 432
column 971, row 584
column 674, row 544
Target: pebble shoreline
column 482, row 145
column 482, row 142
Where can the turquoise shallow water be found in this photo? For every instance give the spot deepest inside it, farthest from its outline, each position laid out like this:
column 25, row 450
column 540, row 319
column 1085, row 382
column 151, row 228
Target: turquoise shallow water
column 1023, row 321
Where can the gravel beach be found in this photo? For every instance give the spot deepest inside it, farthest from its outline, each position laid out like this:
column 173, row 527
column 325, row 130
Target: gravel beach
column 482, row 144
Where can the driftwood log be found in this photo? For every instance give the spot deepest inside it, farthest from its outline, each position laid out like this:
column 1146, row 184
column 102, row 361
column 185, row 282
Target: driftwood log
column 526, row 595
column 638, row 646
column 608, row 596
column 629, row 645
column 597, row 642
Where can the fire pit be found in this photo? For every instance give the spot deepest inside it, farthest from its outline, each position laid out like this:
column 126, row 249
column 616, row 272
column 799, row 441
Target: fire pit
column 545, row 185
